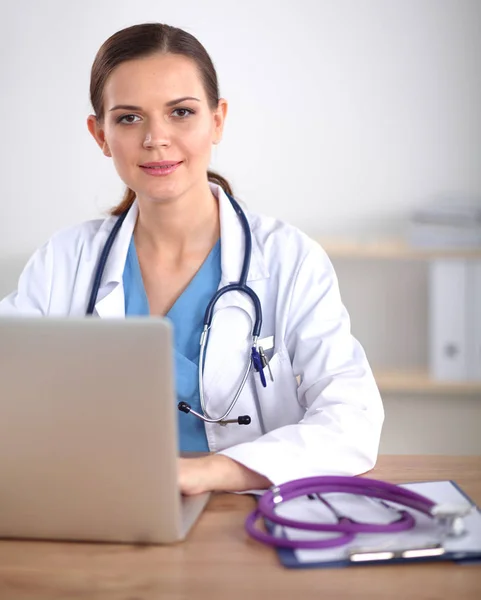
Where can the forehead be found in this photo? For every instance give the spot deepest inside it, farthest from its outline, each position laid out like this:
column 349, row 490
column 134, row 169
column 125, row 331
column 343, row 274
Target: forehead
column 156, row 78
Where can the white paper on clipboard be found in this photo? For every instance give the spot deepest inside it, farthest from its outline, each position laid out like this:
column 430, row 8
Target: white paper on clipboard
column 425, row 533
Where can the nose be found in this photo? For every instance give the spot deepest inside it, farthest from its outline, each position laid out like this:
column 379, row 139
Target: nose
column 156, row 135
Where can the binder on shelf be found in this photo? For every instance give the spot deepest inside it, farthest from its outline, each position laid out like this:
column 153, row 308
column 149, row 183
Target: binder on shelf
column 448, row 331
column 474, row 320
column 433, row 235
column 446, row 223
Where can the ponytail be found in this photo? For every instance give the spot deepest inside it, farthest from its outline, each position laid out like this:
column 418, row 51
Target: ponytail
column 224, row 184
column 125, row 204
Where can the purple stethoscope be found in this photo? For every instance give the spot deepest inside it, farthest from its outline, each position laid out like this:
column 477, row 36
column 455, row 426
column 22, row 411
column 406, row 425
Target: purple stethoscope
column 450, row 517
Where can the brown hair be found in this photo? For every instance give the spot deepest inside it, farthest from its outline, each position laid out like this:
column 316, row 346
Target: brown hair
column 144, row 40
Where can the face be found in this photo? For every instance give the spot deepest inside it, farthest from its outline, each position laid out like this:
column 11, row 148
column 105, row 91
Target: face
column 156, row 111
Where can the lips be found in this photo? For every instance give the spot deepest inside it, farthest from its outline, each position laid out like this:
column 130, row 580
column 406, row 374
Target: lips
column 160, row 168
column 164, row 164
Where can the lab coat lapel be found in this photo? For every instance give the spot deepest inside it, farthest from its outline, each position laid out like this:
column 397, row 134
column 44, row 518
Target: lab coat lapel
column 233, row 244
column 110, row 299
column 113, row 304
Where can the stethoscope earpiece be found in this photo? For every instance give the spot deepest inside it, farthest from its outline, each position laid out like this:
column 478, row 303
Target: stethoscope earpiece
column 241, row 420
column 184, row 407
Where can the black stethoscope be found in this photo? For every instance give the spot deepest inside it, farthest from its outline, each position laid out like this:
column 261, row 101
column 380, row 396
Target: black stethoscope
column 257, row 357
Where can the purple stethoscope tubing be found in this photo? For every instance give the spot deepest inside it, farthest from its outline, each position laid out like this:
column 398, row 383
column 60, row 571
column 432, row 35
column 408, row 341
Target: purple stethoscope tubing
column 345, row 528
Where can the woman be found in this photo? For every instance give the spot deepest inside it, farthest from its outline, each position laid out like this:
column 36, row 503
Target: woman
column 157, row 113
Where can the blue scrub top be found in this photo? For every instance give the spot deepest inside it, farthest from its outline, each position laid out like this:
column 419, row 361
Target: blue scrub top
column 187, row 318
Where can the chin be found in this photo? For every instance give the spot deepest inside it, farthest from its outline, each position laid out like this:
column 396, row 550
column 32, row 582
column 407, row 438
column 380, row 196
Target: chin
column 161, row 196
column 164, row 190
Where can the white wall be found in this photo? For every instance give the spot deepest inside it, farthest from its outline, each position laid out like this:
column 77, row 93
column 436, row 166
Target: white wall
column 344, row 114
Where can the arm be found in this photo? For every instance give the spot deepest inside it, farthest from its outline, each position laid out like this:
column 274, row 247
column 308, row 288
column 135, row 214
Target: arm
column 216, row 472
column 340, row 430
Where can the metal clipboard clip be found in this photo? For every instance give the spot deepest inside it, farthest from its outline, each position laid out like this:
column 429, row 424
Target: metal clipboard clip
column 358, row 555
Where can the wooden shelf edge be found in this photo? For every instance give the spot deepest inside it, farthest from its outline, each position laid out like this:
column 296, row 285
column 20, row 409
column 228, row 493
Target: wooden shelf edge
column 418, row 381
column 391, row 248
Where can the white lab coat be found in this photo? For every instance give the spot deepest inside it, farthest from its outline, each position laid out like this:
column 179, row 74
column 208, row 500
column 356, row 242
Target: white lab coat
column 329, row 423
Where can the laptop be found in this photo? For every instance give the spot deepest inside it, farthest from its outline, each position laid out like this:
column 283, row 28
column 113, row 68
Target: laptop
column 88, row 432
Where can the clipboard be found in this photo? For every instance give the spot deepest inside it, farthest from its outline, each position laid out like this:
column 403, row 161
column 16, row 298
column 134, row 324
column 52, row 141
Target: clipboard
column 463, row 550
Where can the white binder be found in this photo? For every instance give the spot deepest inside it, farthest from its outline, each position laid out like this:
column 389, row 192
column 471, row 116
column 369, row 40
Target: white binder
column 473, row 314
column 448, row 330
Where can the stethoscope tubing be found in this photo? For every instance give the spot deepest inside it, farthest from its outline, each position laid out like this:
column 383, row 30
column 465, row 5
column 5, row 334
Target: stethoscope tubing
column 206, row 416
column 241, row 286
column 102, row 262
column 266, row 509
column 341, row 539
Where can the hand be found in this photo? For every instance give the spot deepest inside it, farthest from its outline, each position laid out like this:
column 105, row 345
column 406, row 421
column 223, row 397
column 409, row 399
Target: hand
column 192, row 475
column 217, row 472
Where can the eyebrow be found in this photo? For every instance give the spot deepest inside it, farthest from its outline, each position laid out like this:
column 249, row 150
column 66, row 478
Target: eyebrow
column 170, row 103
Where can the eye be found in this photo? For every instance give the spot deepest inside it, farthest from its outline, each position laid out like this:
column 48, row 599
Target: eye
column 183, row 113
column 127, row 119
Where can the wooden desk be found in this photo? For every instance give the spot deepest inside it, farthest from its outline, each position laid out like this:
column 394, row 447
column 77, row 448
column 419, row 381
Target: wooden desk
column 219, row 561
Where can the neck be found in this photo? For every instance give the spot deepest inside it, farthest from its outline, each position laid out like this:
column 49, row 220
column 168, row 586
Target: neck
column 190, row 224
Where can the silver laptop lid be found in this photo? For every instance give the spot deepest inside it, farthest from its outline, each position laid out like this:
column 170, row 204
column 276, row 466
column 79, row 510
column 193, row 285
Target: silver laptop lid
column 88, row 430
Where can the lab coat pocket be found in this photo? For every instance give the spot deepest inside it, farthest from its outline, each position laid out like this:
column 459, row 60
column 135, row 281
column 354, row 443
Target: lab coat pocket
column 277, row 402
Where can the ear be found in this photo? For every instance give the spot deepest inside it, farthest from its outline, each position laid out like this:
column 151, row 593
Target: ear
column 220, row 114
column 98, row 133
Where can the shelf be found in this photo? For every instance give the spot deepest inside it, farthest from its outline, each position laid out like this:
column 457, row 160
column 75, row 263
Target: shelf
column 411, row 380
column 389, row 248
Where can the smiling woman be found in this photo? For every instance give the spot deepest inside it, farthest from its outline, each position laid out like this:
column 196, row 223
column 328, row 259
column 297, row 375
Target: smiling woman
column 185, row 65
column 281, row 360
